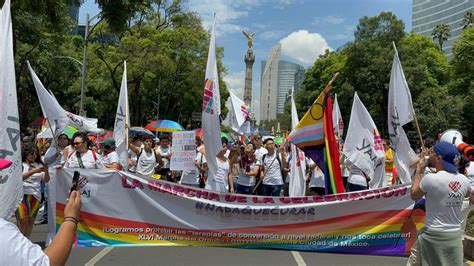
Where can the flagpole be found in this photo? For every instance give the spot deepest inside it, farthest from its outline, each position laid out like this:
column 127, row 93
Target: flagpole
column 52, row 133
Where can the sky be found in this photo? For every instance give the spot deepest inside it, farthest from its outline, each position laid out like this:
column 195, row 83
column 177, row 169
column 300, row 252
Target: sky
column 304, row 28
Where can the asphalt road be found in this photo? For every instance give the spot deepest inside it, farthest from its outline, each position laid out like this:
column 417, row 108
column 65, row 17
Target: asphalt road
column 209, row 256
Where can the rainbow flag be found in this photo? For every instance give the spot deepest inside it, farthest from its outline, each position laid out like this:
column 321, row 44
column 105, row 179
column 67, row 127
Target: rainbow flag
column 314, row 135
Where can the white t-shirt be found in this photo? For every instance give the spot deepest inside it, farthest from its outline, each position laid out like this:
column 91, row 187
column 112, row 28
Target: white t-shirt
column 89, row 160
column 146, row 162
column 470, row 174
column 165, row 152
column 260, row 152
column 110, row 158
column 220, row 181
column 444, row 196
column 317, row 176
column 273, row 170
column 357, row 177
column 16, row 249
column 31, row 185
column 191, row 177
column 245, row 180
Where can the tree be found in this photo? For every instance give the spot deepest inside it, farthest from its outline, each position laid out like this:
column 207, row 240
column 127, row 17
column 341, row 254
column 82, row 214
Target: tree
column 462, row 81
column 441, row 33
column 468, row 20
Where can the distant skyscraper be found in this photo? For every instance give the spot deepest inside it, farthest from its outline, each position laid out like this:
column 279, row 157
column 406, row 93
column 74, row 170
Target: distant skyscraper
column 73, row 12
column 277, row 79
column 429, row 13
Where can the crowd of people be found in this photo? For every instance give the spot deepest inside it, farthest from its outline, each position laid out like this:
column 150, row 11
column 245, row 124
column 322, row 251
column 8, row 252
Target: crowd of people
column 260, row 167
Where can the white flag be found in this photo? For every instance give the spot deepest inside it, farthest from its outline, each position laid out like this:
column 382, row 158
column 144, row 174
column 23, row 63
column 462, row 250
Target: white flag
column 239, row 115
column 363, row 146
column 337, row 122
column 210, row 107
column 400, row 112
column 57, row 117
column 122, row 118
column 297, row 185
column 11, row 185
column 52, row 111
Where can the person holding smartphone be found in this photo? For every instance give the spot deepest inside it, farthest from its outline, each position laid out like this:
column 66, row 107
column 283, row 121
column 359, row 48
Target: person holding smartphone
column 16, row 249
column 34, row 171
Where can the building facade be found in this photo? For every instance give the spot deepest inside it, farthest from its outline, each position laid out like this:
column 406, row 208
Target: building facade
column 427, row 14
column 278, row 77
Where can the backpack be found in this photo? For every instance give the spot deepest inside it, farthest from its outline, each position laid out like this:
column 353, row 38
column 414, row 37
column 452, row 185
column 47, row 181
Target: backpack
column 279, row 162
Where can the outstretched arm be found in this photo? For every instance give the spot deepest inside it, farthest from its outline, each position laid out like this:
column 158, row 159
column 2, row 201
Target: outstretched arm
column 60, row 248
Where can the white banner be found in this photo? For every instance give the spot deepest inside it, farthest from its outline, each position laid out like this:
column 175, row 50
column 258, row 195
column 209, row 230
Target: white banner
column 147, row 212
column 337, row 121
column 11, row 185
column 183, row 151
column 364, row 146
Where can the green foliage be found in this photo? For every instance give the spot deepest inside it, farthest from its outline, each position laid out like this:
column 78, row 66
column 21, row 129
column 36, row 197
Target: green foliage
column 165, row 49
column 365, row 67
column 441, row 33
column 462, row 82
column 468, row 20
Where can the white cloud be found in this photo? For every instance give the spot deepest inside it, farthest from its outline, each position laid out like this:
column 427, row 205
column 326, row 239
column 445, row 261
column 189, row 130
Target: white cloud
column 328, row 20
column 235, row 82
column 228, row 12
column 304, row 46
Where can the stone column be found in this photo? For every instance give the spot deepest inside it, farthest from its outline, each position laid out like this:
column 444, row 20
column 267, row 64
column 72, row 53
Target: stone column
column 249, row 60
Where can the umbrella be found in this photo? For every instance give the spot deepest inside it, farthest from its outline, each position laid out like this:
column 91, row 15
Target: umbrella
column 164, row 126
column 140, row 131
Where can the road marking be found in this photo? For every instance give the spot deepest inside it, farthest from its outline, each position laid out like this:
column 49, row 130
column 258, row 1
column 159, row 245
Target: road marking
column 99, row 256
column 299, row 260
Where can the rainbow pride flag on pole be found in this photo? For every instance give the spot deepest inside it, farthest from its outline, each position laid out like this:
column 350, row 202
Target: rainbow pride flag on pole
column 314, row 135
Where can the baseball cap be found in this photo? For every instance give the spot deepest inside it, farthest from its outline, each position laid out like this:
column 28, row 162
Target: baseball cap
column 4, row 164
column 448, row 153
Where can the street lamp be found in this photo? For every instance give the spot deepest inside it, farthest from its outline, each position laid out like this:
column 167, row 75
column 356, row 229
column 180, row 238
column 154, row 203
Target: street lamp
column 84, row 62
column 73, row 59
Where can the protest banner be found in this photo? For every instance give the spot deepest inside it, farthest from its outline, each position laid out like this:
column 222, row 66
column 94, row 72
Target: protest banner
column 121, row 209
column 183, row 150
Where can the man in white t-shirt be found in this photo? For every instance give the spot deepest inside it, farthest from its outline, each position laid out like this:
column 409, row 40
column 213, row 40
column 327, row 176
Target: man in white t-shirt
column 439, row 242
column 271, row 170
column 316, row 178
column 257, row 141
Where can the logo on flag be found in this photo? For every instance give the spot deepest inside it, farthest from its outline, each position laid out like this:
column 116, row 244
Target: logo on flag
column 378, row 142
column 208, row 97
column 341, row 125
column 244, row 109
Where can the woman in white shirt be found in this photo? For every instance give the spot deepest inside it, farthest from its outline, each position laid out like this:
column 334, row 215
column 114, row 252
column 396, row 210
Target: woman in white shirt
column 148, row 160
column 222, row 180
column 249, row 170
column 81, row 156
column 34, row 171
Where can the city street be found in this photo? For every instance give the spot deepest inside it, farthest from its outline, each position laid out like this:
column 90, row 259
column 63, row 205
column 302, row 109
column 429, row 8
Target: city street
column 209, row 256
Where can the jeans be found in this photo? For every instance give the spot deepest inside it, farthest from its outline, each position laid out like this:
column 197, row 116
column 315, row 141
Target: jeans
column 248, row 190
column 352, row 187
column 271, row 190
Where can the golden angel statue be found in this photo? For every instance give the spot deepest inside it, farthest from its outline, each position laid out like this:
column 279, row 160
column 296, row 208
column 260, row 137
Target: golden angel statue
column 249, row 38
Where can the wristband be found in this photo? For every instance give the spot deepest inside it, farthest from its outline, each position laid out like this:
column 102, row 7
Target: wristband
column 69, row 220
column 72, row 219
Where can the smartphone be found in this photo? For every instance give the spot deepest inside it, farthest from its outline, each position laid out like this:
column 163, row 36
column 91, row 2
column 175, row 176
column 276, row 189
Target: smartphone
column 75, row 182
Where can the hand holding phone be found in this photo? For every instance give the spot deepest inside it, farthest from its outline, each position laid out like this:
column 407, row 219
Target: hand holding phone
column 75, row 182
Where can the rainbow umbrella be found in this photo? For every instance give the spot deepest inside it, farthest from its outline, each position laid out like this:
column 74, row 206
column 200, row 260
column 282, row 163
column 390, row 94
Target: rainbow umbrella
column 164, row 126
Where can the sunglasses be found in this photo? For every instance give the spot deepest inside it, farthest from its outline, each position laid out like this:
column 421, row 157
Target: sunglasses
column 77, row 143
column 259, row 138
